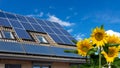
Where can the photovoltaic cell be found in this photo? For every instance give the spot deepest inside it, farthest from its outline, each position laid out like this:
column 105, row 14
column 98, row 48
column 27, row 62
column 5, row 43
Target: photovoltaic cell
column 10, row 47
column 36, row 49
column 10, row 16
column 49, row 23
column 15, row 24
column 31, row 20
column 4, row 22
column 22, row 33
column 41, row 22
column 57, row 31
column 27, row 26
column 66, row 41
column 58, row 25
column 56, row 38
column 65, row 32
column 47, row 29
column 60, row 52
column 38, row 28
column 21, row 18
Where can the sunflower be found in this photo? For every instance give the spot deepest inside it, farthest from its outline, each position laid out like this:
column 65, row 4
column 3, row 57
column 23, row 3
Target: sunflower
column 113, row 39
column 99, row 37
column 83, row 47
column 111, row 55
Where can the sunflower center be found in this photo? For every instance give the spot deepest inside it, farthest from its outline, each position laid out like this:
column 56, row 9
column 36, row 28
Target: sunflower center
column 85, row 48
column 111, row 53
column 99, row 36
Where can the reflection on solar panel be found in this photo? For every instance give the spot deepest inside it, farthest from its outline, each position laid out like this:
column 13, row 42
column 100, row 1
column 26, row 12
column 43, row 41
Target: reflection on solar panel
column 11, row 47
column 35, row 49
column 60, row 52
column 14, row 47
column 10, row 16
column 15, row 24
column 21, row 18
column 4, row 22
column 27, row 26
column 22, row 33
column 22, row 23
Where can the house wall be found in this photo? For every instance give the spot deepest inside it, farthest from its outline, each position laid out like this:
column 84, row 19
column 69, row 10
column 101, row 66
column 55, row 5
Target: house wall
column 24, row 64
column 28, row 64
column 60, row 65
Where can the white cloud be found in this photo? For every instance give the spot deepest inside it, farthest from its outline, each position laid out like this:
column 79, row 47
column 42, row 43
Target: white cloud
column 111, row 32
column 105, row 17
column 79, row 36
column 70, row 30
column 36, row 15
column 53, row 18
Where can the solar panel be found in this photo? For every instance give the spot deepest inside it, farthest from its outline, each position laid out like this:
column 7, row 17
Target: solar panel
column 65, row 32
column 65, row 39
column 22, row 23
column 49, row 23
column 47, row 29
column 10, row 16
column 41, row 22
column 10, row 47
column 57, row 31
column 38, row 28
column 57, row 25
column 22, row 33
column 60, row 52
column 16, row 24
column 56, row 38
column 2, row 15
column 4, row 22
column 22, row 18
column 27, row 26
column 36, row 49
column 31, row 20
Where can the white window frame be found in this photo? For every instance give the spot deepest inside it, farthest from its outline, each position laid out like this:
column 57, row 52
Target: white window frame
column 44, row 39
column 11, row 34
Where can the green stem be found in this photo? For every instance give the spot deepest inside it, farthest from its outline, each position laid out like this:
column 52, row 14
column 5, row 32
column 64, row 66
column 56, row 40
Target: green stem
column 100, row 58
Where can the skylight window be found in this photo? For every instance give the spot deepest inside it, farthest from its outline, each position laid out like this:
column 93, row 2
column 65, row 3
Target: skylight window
column 41, row 39
column 8, row 35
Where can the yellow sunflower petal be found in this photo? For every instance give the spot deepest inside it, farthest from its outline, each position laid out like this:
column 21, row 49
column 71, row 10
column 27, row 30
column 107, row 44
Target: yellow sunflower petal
column 99, row 37
column 83, row 47
column 111, row 55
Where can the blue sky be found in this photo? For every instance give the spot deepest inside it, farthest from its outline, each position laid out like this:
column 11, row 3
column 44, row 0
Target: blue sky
column 78, row 17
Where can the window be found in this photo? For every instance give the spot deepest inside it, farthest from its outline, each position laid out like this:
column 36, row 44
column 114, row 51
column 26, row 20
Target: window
column 41, row 39
column 12, row 66
column 8, row 35
column 41, row 66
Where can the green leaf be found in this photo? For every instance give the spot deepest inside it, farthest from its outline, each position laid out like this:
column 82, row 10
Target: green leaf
column 74, row 41
column 92, row 51
column 102, row 26
column 71, row 51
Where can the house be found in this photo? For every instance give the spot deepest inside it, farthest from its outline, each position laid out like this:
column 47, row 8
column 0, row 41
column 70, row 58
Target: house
column 27, row 42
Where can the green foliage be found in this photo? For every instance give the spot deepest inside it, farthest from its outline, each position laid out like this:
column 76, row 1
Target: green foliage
column 71, row 51
column 92, row 51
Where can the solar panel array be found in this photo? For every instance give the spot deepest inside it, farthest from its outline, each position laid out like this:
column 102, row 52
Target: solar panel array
column 14, row 47
column 22, row 23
